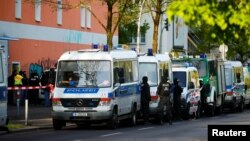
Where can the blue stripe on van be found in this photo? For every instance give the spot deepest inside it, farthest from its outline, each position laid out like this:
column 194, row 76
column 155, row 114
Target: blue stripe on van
column 3, row 93
column 229, row 87
column 81, row 90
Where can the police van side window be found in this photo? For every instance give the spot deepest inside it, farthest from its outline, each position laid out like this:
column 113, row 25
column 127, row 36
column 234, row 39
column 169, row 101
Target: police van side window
column 125, row 71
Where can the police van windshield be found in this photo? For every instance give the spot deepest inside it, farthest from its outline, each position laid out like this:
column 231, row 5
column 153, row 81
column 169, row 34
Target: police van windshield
column 181, row 75
column 201, row 67
column 149, row 70
column 84, row 73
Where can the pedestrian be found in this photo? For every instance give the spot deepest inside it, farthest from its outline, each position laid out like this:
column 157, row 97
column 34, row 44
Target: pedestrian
column 18, row 83
column 34, row 93
column 177, row 99
column 11, row 83
column 163, row 91
column 25, row 82
column 46, row 91
column 145, row 98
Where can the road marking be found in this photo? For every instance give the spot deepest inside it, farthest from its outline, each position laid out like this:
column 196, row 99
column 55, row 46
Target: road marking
column 112, row 134
column 146, row 128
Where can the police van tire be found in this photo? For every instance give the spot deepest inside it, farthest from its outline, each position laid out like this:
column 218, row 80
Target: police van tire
column 57, row 124
column 133, row 119
column 113, row 121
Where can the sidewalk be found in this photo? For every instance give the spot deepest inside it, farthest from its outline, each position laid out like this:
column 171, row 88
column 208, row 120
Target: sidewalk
column 39, row 117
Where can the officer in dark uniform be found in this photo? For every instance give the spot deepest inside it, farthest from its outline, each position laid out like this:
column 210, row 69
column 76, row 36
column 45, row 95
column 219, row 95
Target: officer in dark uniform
column 145, row 98
column 163, row 90
column 177, row 99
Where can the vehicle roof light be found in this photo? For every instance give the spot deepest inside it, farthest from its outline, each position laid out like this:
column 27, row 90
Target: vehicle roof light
column 105, row 48
column 203, row 56
column 150, row 52
column 95, row 46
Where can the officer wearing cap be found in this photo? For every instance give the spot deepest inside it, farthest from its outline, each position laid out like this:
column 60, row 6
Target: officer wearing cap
column 177, row 99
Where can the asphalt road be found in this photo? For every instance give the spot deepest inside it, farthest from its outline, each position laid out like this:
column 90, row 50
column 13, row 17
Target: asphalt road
column 190, row 130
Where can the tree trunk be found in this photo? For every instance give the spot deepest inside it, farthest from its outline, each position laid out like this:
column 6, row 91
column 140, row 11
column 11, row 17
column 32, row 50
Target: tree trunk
column 155, row 34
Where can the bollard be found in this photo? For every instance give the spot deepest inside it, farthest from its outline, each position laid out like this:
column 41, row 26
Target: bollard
column 18, row 103
column 26, row 111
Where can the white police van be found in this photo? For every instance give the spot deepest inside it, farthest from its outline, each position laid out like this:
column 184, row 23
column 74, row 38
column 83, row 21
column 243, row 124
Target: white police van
column 94, row 86
column 154, row 67
column 189, row 81
column 3, row 89
column 235, row 86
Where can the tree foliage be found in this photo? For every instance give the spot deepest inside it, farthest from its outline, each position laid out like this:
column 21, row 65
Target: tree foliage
column 129, row 30
column 217, row 22
column 225, row 17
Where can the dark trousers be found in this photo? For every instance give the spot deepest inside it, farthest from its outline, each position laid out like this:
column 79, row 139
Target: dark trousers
column 177, row 109
column 165, row 100
column 145, row 110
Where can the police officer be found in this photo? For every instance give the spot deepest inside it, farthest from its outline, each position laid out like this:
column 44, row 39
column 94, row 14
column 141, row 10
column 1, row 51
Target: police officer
column 163, row 90
column 177, row 99
column 145, row 98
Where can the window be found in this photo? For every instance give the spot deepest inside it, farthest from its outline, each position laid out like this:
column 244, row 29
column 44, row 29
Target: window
column 88, row 17
column 125, row 71
column 149, row 70
column 38, row 10
column 133, row 39
column 59, row 12
column 1, row 69
column 83, row 17
column 84, row 74
column 18, row 9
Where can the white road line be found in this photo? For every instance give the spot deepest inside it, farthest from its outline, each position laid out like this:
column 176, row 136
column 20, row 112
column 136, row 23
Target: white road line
column 112, row 134
column 146, row 128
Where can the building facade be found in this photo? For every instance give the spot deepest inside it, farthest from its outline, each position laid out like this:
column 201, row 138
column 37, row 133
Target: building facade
column 34, row 35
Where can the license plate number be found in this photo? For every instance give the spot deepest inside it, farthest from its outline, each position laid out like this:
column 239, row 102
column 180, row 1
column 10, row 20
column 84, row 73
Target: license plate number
column 80, row 114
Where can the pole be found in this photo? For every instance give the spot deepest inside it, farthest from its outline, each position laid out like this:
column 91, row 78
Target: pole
column 138, row 28
column 26, row 111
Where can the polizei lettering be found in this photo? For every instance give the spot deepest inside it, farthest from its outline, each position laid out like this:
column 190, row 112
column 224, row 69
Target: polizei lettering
column 230, row 133
column 81, row 90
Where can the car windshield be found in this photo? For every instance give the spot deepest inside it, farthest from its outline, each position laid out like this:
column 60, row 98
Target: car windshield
column 181, row 75
column 149, row 70
column 84, row 74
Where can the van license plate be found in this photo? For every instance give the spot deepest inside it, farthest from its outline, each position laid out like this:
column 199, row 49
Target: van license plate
column 80, row 114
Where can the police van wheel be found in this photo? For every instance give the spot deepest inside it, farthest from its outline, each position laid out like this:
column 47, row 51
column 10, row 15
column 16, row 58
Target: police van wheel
column 113, row 121
column 133, row 119
column 57, row 124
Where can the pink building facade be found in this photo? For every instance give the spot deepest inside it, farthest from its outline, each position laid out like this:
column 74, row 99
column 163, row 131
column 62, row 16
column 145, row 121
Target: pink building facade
column 35, row 35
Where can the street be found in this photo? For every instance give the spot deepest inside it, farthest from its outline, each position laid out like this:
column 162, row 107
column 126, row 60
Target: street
column 190, row 130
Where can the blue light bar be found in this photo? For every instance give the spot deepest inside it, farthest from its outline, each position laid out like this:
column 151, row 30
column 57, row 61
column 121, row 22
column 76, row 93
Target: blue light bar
column 203, row 56
column 150, row 52
column 95, row 46
column 105, row 48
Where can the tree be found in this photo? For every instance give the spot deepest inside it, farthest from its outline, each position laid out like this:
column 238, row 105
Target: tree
column 156, row 9
column 116, row 11
column 129, row 30
column 226, row 19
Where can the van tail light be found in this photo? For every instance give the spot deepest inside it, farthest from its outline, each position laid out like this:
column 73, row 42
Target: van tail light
column 154, row 98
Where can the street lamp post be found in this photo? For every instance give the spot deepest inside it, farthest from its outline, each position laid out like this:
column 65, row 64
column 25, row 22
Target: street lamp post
column 138, row 28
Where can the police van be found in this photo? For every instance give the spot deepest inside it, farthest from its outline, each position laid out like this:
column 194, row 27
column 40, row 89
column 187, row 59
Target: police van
column 189, row 81
column 3, row 89
column 94, row 86
column 235, row 86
